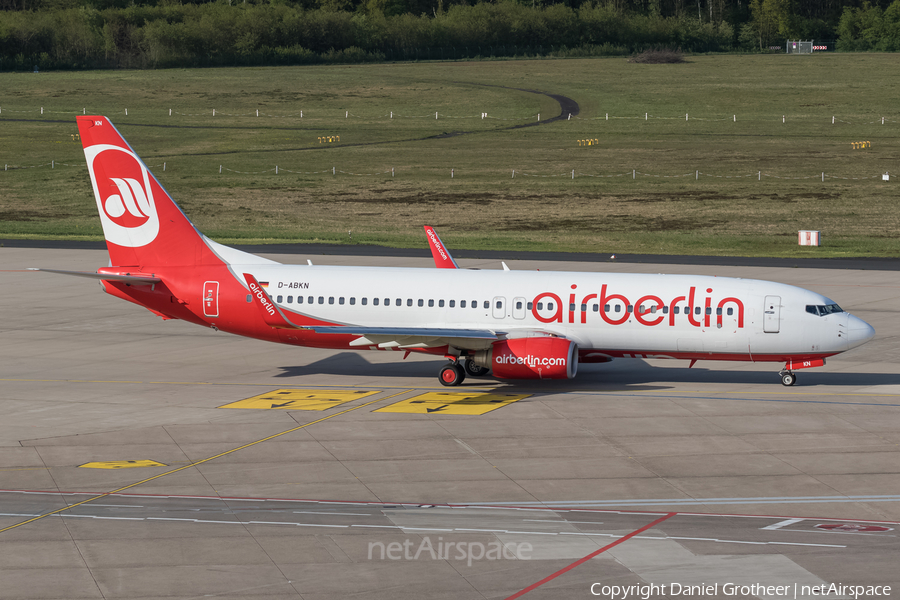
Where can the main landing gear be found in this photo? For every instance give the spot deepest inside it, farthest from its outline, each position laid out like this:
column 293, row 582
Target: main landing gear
column 455, row 373
column 452, row 374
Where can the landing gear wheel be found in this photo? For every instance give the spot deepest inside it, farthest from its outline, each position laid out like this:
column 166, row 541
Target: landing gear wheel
column 473, row 369
column 452, row 374
column 788, row 378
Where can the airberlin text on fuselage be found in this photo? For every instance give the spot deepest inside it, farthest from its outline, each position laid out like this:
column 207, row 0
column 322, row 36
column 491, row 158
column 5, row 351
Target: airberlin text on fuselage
column 689, row 304
column 262, row 298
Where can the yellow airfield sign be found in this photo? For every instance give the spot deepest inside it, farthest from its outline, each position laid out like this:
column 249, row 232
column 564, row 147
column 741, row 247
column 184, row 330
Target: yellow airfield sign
column 452, row 403
column 121, row 464
column 300, row 399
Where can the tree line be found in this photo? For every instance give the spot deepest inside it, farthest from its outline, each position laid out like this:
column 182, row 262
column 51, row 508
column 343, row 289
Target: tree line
column 81, row 34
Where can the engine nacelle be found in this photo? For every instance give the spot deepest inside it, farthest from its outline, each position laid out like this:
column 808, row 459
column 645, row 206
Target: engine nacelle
column 531, row 358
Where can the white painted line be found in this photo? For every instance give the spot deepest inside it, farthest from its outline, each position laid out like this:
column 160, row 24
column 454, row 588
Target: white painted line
column 564, row 522
column 781, row 524
column 799, row 544
column 333, row 514
column 379, row 526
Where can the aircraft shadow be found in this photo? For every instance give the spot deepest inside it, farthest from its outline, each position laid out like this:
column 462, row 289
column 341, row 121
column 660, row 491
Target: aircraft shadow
column 622, row 374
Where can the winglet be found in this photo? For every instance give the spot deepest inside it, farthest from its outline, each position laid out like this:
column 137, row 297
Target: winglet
column 271, row 314
column 442, row 258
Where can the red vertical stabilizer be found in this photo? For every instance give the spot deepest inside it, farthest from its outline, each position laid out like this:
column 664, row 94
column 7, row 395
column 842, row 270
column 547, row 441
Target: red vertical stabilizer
column 141, row 223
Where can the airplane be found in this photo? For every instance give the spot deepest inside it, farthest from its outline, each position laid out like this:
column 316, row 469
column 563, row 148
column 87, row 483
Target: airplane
column 510, row 324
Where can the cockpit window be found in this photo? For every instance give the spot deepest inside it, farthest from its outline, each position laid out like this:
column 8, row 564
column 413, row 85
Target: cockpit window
column 822, row 310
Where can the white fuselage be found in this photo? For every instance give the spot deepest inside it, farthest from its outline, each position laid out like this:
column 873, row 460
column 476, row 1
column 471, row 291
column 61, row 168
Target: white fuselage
column 613, row 314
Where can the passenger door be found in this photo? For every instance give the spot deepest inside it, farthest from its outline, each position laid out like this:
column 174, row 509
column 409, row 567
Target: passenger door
column 772, row 314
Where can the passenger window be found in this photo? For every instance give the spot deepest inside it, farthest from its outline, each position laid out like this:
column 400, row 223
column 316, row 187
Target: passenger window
column 571, row 307
column 279, row 299
column 618, row 308
column 452, row 303
column 709, row 310
column 330, row 299
column 697, row 310
column 665, row 310
column 730, row 311
column 549, row 306
column 519, row 305
column 352, row 300
column 474, row 303
column 500, row 304
column 365, row 301
column 249, row 298
column 629, row 308
column 321, row 299
column 399, row 302
column 409, row 301
column 290, row 299
column 462, row 303
column 540, row 306
column 676, row 310
column 309, row 300
column 530, row 305
column 430, row 303
column 387, row 301
column 487, row 304
column 718, row 311
column 421, row 302
column 596, row 308
column 299, row 299
column 653, row 309
column 341, row 300
column 441, row 303
column 374, row 301
column 606, row 308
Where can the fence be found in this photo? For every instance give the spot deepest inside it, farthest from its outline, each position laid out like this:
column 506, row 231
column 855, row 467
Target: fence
column 452, row 172
column 214, row 113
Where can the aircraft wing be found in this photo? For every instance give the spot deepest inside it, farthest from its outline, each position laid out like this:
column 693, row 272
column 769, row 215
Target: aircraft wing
column 414, row 337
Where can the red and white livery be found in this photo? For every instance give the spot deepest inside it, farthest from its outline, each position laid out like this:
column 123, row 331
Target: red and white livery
column 513, row 324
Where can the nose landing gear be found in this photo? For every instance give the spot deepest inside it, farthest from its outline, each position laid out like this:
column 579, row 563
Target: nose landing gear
column 788, row 378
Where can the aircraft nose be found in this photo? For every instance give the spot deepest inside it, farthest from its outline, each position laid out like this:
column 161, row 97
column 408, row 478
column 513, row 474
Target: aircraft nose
column 860, row 332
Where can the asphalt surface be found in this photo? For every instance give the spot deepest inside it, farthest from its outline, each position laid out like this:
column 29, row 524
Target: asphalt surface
column 148, row 459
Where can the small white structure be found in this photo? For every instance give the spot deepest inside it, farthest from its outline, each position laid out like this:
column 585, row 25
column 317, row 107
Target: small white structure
column 799, row 47
column 886, row 177
column 809, row 238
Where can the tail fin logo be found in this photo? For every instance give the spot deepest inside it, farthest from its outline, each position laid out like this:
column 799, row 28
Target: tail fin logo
column 123, row 194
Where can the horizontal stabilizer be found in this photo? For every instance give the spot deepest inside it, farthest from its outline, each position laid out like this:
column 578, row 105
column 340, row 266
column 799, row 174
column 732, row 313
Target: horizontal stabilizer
column 127, row 278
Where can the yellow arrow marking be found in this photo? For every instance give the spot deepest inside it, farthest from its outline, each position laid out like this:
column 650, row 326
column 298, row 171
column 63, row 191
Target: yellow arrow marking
column 121, row 464
column 452, row 403
column 300, row 399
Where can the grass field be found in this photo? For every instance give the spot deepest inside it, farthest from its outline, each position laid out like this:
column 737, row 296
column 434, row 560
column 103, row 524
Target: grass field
column 760, row 179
